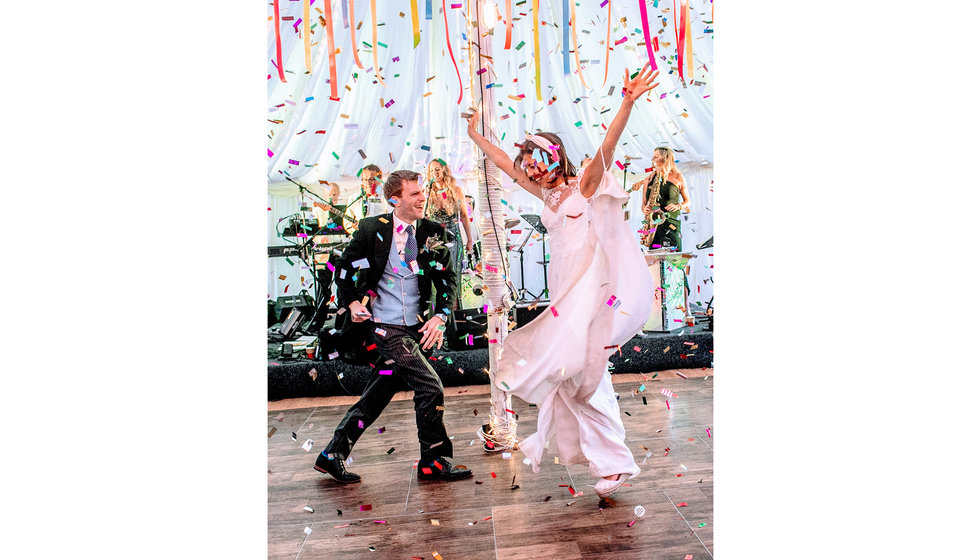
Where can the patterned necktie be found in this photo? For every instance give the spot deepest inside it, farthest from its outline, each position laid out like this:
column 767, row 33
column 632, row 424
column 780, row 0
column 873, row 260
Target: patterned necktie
column 411, row 246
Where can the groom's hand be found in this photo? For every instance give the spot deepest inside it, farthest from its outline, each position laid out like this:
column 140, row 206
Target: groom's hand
column 432, row 333
column 358, row 312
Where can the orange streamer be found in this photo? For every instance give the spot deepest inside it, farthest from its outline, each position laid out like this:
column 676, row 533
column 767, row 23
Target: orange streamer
column 510, row 26
column 276, row 23
column 328, row 17
column 353, row 44
column 374, row 38
column 578, row 64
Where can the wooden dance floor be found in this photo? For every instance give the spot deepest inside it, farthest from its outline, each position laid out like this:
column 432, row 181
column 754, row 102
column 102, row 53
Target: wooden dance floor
column 505, row 510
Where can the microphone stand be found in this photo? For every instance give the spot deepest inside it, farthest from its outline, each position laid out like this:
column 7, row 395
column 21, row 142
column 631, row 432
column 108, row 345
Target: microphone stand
column 305, row 254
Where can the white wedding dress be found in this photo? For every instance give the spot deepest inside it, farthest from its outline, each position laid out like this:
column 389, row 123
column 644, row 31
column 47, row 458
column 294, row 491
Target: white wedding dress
column 601, row 295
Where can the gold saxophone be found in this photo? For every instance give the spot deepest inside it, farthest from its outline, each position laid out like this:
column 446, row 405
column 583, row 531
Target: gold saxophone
column 652, row 219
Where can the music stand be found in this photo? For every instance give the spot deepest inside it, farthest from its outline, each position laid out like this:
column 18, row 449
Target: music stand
column 536, row 225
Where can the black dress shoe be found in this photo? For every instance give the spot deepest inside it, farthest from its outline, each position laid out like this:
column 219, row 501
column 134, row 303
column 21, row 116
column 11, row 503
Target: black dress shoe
column 442, row 468
column 334, row 466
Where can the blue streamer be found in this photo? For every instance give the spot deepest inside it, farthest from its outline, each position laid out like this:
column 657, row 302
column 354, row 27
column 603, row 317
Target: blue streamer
column 564, row 35
column 428, row 9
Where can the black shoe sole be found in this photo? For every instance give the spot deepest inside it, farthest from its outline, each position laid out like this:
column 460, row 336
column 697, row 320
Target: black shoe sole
column 318, row 469
column 440, row 477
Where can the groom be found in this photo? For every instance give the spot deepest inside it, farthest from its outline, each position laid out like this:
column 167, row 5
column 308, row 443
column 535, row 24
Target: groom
column 391, row 264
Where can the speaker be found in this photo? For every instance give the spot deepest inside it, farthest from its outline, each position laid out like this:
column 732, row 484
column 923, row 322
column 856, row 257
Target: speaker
column 292, row 323
column 525, row 314
column 273, row 317
column 467, row 323
column 285, row 304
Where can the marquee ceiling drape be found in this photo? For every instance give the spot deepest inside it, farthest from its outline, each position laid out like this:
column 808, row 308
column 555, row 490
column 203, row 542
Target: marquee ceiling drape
column 415, row 117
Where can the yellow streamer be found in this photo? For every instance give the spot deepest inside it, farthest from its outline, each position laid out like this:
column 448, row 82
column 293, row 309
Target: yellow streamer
column 415, row 23
column 537, row 50
column 374, row 37
column 306, row 35
column 578, row 65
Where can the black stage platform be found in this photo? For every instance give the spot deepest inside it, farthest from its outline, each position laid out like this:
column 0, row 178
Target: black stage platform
column 650, row 352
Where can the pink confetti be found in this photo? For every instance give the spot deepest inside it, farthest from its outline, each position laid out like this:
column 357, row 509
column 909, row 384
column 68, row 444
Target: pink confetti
column 709, row 431
column 554, row 311
column 385, row 372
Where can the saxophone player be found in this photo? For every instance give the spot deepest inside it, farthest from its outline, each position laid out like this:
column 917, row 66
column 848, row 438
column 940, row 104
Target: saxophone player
column 664, row 198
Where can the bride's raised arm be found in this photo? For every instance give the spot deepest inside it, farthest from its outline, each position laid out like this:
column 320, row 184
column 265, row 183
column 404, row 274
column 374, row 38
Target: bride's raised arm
column 642, row 83
column 500, row 159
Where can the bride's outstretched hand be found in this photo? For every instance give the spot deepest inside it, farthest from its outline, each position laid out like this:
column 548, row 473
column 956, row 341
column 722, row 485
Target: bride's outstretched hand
column 473, row 120
column 642, row 83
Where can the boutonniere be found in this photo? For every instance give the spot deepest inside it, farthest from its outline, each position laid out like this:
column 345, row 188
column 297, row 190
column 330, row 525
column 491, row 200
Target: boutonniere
column 433, row 242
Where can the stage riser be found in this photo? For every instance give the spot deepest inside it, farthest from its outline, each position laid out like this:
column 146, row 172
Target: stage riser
column 291, row 379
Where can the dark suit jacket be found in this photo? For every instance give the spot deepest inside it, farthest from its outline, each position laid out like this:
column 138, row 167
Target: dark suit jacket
column 372, row 241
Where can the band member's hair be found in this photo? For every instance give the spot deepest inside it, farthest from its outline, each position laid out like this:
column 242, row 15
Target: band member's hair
column 669, row 165
column 454, row 198
column 393, row 186
column 528, row 147
column 371, row 167
column 661, row 174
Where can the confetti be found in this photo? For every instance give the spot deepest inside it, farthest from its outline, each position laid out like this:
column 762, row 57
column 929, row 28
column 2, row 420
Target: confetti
column 308, row 509
column 682, row 504
column 667, row 392
column 366, row 507
column 308, row 530
column 639, row 511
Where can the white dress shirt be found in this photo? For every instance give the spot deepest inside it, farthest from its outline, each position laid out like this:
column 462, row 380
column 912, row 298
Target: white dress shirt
column 400, row 233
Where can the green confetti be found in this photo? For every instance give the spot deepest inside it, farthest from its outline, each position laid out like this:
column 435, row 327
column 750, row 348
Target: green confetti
column 519, row 45
column 702, row 524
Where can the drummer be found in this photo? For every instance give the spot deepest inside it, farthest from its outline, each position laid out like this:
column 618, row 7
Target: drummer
column 368, row 200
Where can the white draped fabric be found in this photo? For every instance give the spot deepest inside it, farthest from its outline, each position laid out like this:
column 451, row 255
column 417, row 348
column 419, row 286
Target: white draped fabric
column 422, row 118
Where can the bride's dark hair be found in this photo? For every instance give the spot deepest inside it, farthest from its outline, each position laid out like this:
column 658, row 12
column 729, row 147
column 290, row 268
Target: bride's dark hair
column 528, row 147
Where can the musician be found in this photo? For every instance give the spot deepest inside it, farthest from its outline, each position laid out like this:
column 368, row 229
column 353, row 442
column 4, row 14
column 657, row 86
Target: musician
column 367, row 201
column 331, row 217
column 665, row 190
column 446, row 205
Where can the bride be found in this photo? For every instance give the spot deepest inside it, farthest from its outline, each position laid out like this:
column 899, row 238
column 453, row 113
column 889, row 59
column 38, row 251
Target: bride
column 601, row 294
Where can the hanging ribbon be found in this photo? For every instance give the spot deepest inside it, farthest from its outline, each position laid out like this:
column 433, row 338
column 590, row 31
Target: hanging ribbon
column 332, row 54
column 416, row 37
column 510, row 26
column 343, row 6
column 608, row 47
column 689, row 41
column 578, row 64
column 275, row 9
column 564, row 36
column 680, row 36
column 306, row 36
column 428, row 9
column 374, row 38
column 646, row 35
column 445, row 20
column 353, row 44
column 537, row 51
